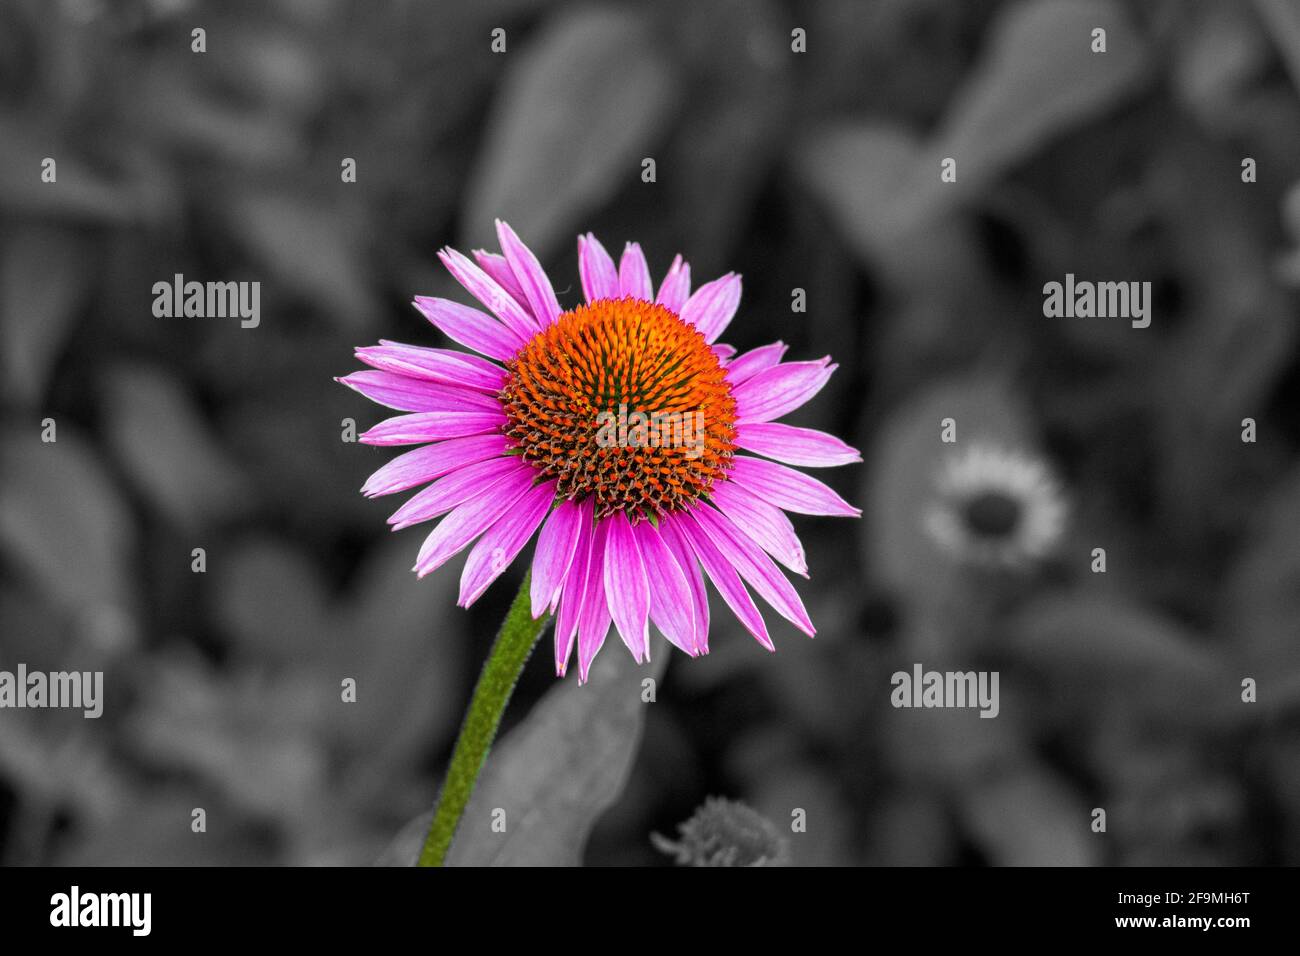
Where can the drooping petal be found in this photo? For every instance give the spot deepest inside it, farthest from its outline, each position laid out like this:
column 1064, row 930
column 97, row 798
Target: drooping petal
column 690, row 566
column 531, row 276
column 745, row 367
column 454, row 489
column 416, row 394
column 432, row 461
column 432, row 426
column 775, row 391
column 574, row 589
column 671, row 601
column 764, row 524
column 676, row 287
column 795, row 446
column 724, row 578
column 788, row 489
column 503, row 541
column 593, row 619
column 754, row 566
column 596, row 268
column 470, row 520
column 627, row 589
column 723, row 351
column 484, row 288
column 634, row 274
column 436, row 365
column 555, row 548
column 712, row 306
column 470, row 327
column 499, row 270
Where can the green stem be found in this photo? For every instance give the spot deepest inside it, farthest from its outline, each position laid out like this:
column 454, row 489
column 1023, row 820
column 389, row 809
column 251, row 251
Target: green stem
column 515, row 642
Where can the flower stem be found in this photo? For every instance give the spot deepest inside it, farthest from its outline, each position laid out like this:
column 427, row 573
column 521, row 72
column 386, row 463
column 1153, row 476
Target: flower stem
column 515, row 642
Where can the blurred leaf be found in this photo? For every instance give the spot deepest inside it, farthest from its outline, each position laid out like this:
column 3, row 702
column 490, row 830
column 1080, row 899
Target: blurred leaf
column 1081, row 633
column 79, row 193
column 62, row 518
column 906, row 461
column 271, row 602
column 731, row 127
column 168, row 450
column 1221, row 50
column 252, row 737
column 154, row 830
column 1098, row 648
column 856, row 171
column 553, row 774
column 1029, row 818
column 575, row 114
column 403, row 640
column 45, row 275
column 1038, row 78
column 880, row 183
column 556, row 772
column 1261, row 597
column 312, row 249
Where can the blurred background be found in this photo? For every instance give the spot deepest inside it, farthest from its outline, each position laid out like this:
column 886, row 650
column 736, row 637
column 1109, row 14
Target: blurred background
column 814, row 170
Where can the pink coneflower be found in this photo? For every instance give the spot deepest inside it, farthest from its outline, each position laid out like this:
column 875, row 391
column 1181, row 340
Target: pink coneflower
column 521, row 437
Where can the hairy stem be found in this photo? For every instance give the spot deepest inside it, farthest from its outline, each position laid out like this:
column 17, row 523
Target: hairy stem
column 515, row 642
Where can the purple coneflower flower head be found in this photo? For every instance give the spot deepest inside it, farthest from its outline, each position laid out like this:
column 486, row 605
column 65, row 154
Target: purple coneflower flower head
column 643, row 455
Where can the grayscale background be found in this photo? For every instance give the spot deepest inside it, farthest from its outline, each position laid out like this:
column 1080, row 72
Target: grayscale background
column 816, row 170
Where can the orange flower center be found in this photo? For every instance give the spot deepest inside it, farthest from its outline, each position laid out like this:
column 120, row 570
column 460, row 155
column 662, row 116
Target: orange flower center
column 622, row 400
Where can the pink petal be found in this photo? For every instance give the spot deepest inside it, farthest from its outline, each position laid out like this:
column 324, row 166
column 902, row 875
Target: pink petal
column 788, row 489
column 764, row 524
column 795, row 446
column 684, row 555
column 722, row 351
column 775, row 391
column 470, row 520
column 498, row 269
column 555, row 549
column 671, row 601
column 593, row 619
column 627, row 589
column 754, row 566
column 470, row 327
column 503, row 542
column 574, row 589
column 599, row 277
column 436, row 365
column 432, row 461
column 532, row 277
column 484, row 288
column 676, row 287
column 724, row 578
column 432, row 426
column 634, row 274
column 713, row 305
column 454, row 489
column 417, row 394
column 746, row 366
